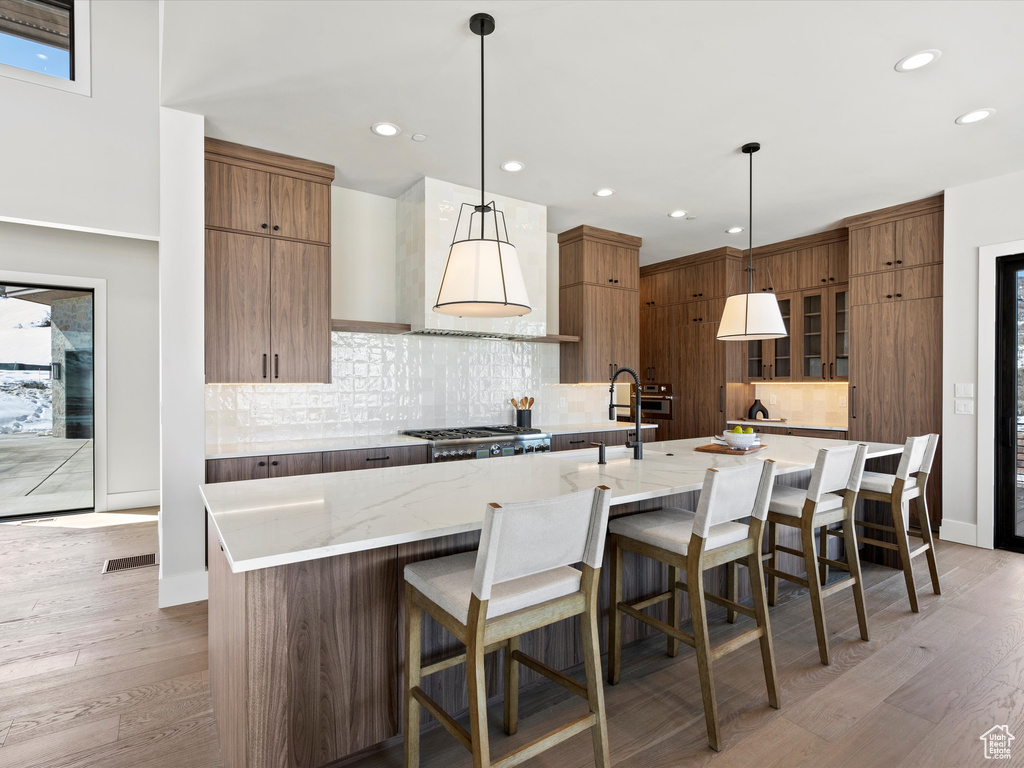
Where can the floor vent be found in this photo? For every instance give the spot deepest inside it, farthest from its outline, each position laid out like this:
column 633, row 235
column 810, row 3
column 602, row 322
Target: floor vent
column 38, row 520
column 124, row 563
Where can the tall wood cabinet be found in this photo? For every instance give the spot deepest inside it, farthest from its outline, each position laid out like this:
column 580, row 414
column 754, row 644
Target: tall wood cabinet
column 268, row 261
column 599, row 278
column 896, row 328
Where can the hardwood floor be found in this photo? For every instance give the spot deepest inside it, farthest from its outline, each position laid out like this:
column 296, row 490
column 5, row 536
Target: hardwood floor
column 94, row 675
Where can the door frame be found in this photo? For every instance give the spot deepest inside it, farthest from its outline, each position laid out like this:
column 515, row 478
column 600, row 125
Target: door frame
column 98, row 286
column 984, row 533
column 1005, row 469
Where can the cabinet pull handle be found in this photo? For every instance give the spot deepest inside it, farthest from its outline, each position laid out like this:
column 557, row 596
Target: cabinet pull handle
column 377, row 458
column 832, row 278
column 899, row 261
column 276, row 227
column 721, row 407
column 610, row 280
column 616, row 281
column 264, row 365
column 771, row 373
column 262, row 464
column 611, row 370
column 276, row 367
column 888, row 263
column 853, row 402
column 824, row 280
column 831, row 373
column 576, row 442
column 273, row 463
column 263, row 226
column 763, row 375
column 899, row 295
column 888, row 295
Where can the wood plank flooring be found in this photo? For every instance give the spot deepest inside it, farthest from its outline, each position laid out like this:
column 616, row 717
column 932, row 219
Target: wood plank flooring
column 94, row 675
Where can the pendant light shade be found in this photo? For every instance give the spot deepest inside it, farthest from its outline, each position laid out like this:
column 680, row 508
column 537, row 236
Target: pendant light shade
column 482, row 277
column 751, row 316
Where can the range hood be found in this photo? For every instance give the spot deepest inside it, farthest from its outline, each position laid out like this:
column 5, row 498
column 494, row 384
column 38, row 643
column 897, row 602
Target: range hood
column 427, row 213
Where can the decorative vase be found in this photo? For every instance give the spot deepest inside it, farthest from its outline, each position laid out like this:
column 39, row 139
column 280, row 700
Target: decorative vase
column 755, row 409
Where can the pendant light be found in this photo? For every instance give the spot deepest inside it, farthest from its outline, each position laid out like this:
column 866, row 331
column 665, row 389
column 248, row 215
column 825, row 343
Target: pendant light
column 750, row 316
column 482, row 277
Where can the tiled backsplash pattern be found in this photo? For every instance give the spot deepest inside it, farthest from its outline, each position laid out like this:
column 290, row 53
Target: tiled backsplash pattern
column 818, row 404
column 386, row 383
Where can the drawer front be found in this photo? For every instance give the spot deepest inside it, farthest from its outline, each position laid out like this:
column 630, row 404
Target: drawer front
column 578, row 440
column 825, row 434
column 230, row 470
column 292, row 464
column 396, row 456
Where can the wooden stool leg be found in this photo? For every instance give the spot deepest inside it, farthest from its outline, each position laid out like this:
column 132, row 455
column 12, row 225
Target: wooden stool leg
column 926, row 533
column 814, row 586
column 903, row 542
column 733, row 589
column 823, row 549
column 853, row 560
column 476, row 682
column 701, row 644
column 773, row 581
column 760, row 599
column 511, row 719
column 614, row 615
column 673, row 610
column 595, row 690
column 413, row 633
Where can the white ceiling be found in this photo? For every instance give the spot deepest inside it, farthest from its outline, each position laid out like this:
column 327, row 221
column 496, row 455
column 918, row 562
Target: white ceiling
column 653, row 99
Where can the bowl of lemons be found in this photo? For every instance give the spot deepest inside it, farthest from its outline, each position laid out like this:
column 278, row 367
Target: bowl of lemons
column 740, row 437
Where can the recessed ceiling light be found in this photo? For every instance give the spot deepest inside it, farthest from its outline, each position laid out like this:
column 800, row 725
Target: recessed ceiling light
column 677, row 214
column 604, row 192
column 975, row 115
column 385, row 129
column 419, row 137
column 734, row 230
column 512, row 166
column 918, row 60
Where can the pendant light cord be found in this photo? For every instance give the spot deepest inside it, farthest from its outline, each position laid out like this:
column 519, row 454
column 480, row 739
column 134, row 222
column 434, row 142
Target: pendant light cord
column 482, row 194
column 750, row 229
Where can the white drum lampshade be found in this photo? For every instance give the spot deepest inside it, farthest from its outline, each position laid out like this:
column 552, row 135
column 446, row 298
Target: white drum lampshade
column 751, row 316
column 482, row 279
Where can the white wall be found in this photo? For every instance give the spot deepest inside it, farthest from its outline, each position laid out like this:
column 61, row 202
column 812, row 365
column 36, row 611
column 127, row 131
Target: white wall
column 362, row 256
column 89, row 162
column 976, row 215
column 182, row 358
column 129, row 267
column 553, row 290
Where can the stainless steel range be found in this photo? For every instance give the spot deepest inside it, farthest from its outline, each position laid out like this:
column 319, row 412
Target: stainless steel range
column 482, row 442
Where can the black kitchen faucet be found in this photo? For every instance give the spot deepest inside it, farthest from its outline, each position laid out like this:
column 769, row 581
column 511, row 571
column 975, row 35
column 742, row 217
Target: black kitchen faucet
column 638, row 444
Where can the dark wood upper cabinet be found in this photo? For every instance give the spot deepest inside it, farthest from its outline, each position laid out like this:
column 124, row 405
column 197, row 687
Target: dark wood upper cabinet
column 599, row 274
column 237, row 198
column 919, row 240
column 300, row 311
column 268, row 307
column 873, row 249
column 238, row 345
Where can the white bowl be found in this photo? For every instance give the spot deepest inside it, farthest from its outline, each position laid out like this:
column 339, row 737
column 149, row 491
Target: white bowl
column 739, row 439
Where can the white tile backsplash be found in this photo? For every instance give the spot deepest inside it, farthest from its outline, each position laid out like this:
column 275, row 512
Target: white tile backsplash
column 386, row 383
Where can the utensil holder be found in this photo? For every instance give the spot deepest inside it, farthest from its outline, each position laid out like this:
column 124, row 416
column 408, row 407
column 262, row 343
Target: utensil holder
column 524, row 419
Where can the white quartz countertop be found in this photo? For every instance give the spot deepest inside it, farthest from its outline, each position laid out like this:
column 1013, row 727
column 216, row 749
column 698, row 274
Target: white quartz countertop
column 264, row 523
column 787, row 425
column 280, row 447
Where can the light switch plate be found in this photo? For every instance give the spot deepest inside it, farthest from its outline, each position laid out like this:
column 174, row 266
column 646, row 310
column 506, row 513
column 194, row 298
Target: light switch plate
column 772, row 400
column 963, row 390
column 963, row 406
column 561, row 402
column 842, row 401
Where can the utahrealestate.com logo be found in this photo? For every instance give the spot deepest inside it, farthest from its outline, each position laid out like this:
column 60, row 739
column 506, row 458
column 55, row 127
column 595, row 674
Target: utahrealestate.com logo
column 997, row 743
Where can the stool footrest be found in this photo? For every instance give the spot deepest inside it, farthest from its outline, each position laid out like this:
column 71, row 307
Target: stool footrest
column 879, row 543
column 875, row 526
column 788, row 550
column 661, row 598
column 834, row 532
column 454, row 661
column 551, row 674
column 914, row 553
column 725, row 602
column 661, row 626
column 736, row 643
column 849, row 581
column 449, row 723
column 535, row 747
column 834, row 563
column 787, row 576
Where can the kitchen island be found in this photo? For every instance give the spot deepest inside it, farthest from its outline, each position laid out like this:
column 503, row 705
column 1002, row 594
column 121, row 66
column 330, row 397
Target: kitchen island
column 306, row 583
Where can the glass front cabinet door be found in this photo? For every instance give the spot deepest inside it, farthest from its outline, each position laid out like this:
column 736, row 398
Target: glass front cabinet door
column 825, row 334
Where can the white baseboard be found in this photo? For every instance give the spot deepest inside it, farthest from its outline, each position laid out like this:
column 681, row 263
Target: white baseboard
column 961, row 533
column 133, row 500
column 182, row 589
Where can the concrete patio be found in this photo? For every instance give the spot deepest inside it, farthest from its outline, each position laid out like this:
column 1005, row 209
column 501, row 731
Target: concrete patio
column 44, row 474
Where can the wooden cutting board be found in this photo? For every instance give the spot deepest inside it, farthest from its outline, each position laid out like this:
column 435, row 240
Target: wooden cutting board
column 715, row 448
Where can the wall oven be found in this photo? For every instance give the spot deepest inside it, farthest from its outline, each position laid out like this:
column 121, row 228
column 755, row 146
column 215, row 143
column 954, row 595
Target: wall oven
column 656, row 401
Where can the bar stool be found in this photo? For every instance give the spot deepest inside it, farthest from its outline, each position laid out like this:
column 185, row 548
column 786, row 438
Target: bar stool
column 518, row 580
column 830, row 498
column 909, row 482
column 695, row 543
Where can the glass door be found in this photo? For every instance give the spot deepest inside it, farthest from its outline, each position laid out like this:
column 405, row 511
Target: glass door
column 46, row 400
column 781, row 366
column 839, row 366
column 1010, row 403
column 813, row 339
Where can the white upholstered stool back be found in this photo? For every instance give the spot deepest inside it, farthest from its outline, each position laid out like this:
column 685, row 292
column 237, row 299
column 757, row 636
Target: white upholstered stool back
column 734, row 493
column 529, row 537
column 837, row 469
column 918, row 454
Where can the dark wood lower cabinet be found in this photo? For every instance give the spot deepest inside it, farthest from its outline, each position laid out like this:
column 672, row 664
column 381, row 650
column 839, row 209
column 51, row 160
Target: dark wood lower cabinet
column 291, row 464
column 396, row 456
column 229, row 470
